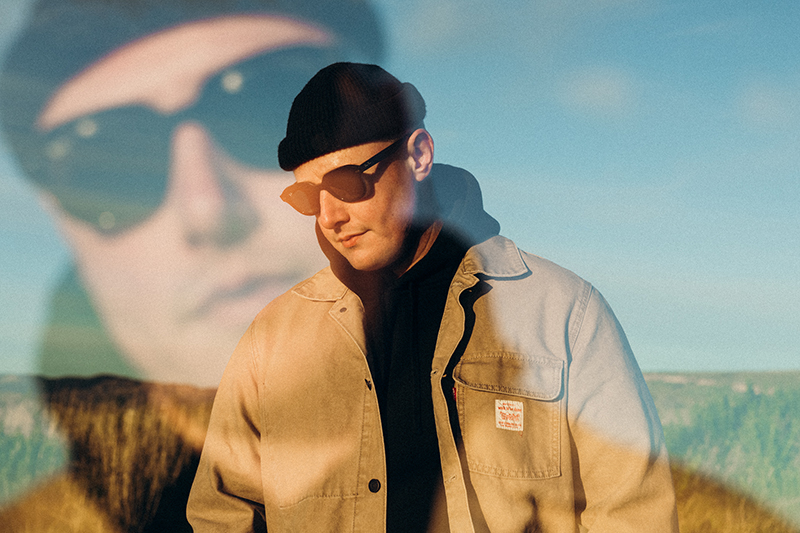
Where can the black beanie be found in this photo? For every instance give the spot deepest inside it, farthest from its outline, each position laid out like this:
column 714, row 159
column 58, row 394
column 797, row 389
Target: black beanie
column 344, row 105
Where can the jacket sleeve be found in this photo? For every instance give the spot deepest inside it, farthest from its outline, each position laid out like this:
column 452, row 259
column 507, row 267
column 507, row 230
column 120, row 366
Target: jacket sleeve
column 622, row 480
column 227, row 493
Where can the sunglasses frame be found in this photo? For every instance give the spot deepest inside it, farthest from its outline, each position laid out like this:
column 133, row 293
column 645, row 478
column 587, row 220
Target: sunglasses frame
column 300, row 193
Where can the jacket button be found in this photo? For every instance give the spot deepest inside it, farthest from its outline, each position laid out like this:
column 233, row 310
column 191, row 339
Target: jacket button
column 374, row 485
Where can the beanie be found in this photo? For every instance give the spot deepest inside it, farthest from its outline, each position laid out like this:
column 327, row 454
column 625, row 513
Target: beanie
column 344, row 105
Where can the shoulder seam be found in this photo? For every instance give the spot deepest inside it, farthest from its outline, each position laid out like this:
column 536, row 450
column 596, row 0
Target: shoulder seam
column 583, row 305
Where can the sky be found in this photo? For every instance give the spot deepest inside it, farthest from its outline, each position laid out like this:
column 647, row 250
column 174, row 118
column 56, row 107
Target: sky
column 650, row 146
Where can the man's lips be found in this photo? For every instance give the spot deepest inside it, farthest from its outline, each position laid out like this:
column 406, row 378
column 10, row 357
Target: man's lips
column 348, row 241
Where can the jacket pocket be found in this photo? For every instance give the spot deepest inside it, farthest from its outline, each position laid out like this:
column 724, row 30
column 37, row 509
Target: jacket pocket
column 509, row 407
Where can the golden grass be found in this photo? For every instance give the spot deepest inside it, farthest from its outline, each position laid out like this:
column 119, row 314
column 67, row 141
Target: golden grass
column 707, row 506
column 135, row 447
column 59, row 506
column 134, row 451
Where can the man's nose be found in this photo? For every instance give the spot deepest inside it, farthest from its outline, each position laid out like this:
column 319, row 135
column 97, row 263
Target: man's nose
column 332, row 211
column 213, row 210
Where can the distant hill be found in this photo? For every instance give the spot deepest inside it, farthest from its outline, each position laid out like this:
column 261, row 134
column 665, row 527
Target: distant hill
column 741, row 428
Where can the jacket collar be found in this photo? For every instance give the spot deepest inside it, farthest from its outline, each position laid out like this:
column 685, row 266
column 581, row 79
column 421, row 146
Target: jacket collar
column 323, row 286
column 497, row 257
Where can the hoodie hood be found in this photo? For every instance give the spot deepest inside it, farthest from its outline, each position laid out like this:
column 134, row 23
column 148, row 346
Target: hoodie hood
column 457, row 201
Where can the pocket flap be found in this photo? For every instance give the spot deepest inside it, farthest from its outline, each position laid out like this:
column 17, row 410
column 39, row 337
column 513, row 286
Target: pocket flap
column 518, row 374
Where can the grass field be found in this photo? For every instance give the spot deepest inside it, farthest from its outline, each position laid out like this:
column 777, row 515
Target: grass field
column 733, row 438
column 740, row 429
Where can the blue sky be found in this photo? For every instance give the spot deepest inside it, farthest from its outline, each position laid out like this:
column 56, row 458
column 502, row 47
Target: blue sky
column 650, row 146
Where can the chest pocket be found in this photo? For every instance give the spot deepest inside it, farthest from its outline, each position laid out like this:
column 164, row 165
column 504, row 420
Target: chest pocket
column 509, row 408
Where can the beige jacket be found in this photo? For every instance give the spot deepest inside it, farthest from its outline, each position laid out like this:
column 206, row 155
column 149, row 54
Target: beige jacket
column 558, row 432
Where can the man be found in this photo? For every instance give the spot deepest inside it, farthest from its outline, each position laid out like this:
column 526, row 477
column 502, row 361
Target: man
column 144, row 126
column 434, row 377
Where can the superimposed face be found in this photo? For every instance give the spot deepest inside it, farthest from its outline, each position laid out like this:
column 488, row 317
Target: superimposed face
column 177, row 288
column 369, row 233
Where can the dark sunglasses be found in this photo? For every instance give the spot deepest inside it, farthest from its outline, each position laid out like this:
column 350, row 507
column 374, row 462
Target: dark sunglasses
column 111, row 168
column 347, row 183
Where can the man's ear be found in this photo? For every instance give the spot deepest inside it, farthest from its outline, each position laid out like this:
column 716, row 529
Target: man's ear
column 420, row 152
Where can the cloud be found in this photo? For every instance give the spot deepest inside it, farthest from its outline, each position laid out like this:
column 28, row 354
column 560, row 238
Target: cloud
column 771, row 105
column 444, row 25
column 725, row 27
column 599, row 91
column 466, row 26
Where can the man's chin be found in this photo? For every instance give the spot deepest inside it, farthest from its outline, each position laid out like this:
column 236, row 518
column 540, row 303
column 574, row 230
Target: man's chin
column 364, row 262
column 372, row 263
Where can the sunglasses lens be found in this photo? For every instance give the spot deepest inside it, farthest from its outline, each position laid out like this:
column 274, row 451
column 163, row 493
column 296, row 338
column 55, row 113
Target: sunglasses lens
column 346, row 184
column 246, row 106
column 303, row 196
column 96, row 168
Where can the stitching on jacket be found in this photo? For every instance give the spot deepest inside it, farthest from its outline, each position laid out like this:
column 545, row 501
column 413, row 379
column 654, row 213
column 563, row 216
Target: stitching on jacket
column 551, row 391
column 345, row 496
column 583, row 305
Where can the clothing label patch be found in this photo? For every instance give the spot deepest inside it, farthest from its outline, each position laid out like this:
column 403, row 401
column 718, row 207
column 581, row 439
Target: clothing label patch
column 508, row 414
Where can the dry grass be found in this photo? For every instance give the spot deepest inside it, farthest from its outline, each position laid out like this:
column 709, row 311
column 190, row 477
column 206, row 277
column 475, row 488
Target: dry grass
column 62, row 505
column 706, row 506
column 135, row 448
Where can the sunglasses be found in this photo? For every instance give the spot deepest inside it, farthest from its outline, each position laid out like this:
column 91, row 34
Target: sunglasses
column 348, row 183
column 111, row 168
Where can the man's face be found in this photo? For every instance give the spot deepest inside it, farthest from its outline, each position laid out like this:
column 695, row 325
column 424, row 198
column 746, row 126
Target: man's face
column 177, row 290
column 369, row 233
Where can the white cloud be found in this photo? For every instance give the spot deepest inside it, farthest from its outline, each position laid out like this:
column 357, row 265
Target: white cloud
column 723, row 27
column 464, row 26
column 599, row 91
column 445, row 25
column 767, row 104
